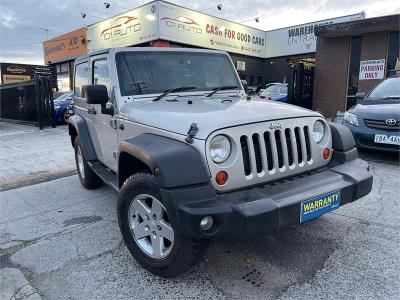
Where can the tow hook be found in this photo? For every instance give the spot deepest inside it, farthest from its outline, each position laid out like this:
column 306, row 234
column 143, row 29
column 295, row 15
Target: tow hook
column 193, row 129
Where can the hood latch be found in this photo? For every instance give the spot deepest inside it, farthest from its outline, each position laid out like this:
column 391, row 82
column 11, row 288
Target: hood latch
column 193, row 129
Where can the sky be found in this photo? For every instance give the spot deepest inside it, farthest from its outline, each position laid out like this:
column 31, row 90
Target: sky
column 25, row 24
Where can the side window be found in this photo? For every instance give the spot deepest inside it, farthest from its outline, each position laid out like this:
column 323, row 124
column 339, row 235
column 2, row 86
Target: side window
column 101, row 73
column 81, row 79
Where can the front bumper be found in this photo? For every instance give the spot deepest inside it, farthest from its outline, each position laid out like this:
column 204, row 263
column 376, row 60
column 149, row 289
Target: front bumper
column 364, row 138
column 263, row 208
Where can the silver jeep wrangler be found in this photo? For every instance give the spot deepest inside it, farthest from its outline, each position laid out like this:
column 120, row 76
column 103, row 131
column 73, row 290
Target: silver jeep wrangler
column 193, row 158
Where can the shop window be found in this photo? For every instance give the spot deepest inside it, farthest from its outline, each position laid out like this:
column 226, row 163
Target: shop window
column 393, row 53
column 81, row 79
column 354, row 66
column 101, row 74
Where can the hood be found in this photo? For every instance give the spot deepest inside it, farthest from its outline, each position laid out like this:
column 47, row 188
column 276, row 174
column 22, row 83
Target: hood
column 377, row 109
column 210, row 114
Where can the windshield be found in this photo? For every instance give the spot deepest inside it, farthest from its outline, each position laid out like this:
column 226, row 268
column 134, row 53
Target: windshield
column 275, row 90
column 388, row 89
column 156, row 72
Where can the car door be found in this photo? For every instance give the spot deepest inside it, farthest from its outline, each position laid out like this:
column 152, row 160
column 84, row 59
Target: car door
column 104, row 124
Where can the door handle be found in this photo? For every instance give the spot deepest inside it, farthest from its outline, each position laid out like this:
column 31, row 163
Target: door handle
column 113, row 123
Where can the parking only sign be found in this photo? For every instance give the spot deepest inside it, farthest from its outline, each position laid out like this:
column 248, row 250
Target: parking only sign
column 372, row 69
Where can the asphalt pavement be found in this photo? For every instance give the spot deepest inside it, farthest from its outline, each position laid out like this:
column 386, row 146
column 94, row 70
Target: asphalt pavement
column 60, row 241
column 29, row 155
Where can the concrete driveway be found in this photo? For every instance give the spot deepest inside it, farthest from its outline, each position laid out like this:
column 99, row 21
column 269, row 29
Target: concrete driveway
column 60, row 241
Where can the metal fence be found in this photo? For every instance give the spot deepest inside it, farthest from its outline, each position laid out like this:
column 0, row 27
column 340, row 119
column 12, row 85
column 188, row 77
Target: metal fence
column 28, row 102
column 300, row 80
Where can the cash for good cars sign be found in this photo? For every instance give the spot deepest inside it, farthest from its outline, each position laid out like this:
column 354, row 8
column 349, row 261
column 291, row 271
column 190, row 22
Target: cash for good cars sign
column 130, row 28
column 186, row 26
column 372, row 69
column 299, row 39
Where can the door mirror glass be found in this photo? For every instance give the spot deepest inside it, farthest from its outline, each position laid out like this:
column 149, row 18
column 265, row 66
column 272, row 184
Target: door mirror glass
column 96, row 94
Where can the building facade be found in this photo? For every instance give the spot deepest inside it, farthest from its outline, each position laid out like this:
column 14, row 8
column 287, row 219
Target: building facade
column 353, row 57
column 61, row 51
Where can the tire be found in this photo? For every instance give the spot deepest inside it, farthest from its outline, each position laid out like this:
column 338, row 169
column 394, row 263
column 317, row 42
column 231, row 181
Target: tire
column 88, row 178
column 64, row 118
column 170, row 258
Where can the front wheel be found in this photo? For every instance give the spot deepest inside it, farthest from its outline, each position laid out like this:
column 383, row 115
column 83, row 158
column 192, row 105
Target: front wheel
column 147, row 231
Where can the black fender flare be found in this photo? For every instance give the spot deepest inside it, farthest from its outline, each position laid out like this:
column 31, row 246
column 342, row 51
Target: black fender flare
column 343, row 144
column 342, row 138
column 173, row 163
column 81, row 130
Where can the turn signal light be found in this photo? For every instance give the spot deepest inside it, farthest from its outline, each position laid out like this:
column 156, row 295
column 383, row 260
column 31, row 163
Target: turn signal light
column 221, row 178
column 326, row 154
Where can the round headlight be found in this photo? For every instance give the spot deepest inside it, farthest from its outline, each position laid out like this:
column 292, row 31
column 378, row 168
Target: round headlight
column 220, row 148
column 318, row 131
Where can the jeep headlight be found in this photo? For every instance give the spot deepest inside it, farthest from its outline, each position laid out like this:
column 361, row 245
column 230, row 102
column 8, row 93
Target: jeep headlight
column 318, row 131
column 350, row 118
column 220, row 148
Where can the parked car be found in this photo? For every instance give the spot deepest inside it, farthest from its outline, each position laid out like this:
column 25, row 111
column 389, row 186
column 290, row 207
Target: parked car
column 61, row 104
column 375, row 120
column 193, row 158
column 275, row 92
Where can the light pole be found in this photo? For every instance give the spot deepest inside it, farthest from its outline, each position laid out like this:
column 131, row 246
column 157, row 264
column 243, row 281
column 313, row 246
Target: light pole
column 47, row 32
column 84, row 15
column 108, row 5
column 219, row 7
column 257, row 19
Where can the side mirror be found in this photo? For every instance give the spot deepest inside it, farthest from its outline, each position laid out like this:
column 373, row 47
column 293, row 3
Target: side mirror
column 244, row 83
column 360, row 96
column 97, row 94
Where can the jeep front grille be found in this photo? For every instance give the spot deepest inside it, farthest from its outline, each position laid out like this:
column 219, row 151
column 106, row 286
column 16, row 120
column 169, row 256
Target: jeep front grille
column 273, row 150
column 261, row 154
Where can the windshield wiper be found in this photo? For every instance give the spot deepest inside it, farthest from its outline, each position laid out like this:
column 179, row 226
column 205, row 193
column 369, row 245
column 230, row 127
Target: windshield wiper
column 178, row 89
column 222, row 88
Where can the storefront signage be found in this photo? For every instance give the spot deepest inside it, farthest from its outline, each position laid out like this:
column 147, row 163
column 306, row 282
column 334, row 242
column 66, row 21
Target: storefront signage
column 299, row 39
column 12, row 73
column 65, row 47
column 182, row 25
column 372, row 69
column 129, row 28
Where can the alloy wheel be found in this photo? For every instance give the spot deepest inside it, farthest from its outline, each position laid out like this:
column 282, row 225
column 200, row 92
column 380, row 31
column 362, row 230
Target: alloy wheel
column 150, row 226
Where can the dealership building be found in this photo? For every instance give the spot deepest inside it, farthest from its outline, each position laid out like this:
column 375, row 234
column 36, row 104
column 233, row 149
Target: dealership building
column 260, row 56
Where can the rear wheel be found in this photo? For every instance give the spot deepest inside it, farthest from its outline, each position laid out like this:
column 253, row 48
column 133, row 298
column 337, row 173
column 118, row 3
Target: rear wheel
column 148, row 232
column 88, row 178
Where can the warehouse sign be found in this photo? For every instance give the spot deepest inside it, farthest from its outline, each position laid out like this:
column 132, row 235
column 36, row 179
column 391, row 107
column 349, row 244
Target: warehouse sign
column 182, row 25
column 133, row 27
column 372, row 69
column 299, row 39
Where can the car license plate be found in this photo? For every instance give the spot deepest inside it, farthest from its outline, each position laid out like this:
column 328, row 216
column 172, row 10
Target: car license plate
column 318, row 206
column 387, row 139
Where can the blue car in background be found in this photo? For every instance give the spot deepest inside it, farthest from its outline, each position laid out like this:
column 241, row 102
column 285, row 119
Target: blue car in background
column 61, row 104
column 275, row 92
column 375, row 120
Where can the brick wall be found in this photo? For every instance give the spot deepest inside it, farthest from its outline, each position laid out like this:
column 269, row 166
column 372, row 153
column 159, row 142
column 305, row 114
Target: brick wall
column 373, row 46
column 330, row 81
